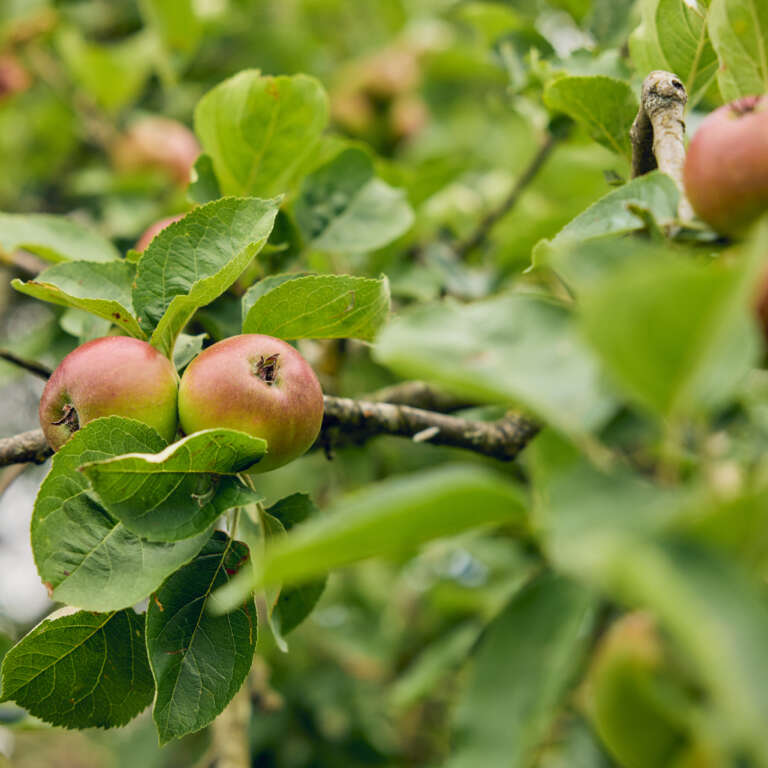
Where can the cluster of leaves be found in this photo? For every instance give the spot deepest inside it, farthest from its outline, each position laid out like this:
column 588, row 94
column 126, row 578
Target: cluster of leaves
column 632, row 341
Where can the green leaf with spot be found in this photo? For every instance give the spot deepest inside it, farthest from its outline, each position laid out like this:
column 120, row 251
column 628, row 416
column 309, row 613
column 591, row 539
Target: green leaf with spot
column 259, row 131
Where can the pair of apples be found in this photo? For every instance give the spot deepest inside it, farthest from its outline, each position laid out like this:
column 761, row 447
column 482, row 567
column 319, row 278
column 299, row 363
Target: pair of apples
column 252, row 383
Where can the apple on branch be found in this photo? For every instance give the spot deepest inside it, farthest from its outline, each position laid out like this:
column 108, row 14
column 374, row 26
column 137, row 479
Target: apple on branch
column 255, row 384
column 111, row 376
column 726, row 167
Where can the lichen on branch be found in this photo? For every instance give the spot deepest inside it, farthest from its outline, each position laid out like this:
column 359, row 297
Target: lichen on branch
column 658, row 132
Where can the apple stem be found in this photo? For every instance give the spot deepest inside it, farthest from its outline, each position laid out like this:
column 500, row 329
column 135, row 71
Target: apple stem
column 658, row 132
column 266, row 368
column 69, row 418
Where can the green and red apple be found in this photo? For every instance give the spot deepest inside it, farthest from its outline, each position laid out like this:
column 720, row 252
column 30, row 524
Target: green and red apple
column 726, row 167
column 111, row 376
column 255, row 384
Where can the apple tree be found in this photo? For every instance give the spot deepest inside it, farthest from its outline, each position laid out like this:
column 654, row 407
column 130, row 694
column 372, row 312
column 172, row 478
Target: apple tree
column 539, row 324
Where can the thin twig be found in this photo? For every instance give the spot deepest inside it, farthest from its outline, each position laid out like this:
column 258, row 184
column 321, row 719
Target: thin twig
column 9, row 474
column 658, row 132
column 23, row 261
column 487, row 223
column 38, row 369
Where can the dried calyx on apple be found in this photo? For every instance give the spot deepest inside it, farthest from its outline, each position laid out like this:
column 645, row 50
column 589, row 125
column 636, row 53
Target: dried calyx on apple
column 255, row 384
column 726, row 167
column 111, row 376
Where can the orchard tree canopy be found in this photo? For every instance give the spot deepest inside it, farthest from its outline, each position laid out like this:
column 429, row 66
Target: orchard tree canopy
column 405, row 366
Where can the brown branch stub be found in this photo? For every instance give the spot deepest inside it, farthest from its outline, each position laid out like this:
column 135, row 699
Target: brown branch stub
column 359, row 420
column 27, row 447
column 658, row 132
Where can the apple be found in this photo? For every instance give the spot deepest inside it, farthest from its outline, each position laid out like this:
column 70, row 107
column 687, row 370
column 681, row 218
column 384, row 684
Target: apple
column 726, row 167
column 255, row 384
column 160, row 143
column 111, row 376
column 14, row 78
column 153, row 230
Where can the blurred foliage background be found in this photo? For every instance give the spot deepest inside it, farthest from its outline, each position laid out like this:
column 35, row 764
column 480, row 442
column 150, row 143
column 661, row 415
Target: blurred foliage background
column 448, row 95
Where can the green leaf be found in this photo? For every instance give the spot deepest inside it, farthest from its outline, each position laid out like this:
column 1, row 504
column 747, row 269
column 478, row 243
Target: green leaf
column 114, row 74
column 610, row 530
column 433, row 664
column 343, row 207
column 295, row 603
column 673, row 36
column 199, row 661
column 384, row 519
column 54, row 238
column 86, row 557
column 83, row 325
column 85, row 670
column 720, row 620
column 180, row 491
column 187, row 348
column 611, row 214
column 524, row 666
column 638, row 702
column 204, row 187
column 103, row 290
column 606, row 106
column 258, row 131
column 681, row 29
column 574, row 746
column 739, row 32
column 175, row 22
column 665, row 329
column 502, row 350
column 5, row 645
column 194, row 260
column 317, row 307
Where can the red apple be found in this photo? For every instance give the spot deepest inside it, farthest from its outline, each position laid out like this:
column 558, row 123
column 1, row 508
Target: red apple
column 153, row 230
column 258, row 385
column 14, row 78
column 112, row 376
column 157, row 142
column 726, row 168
